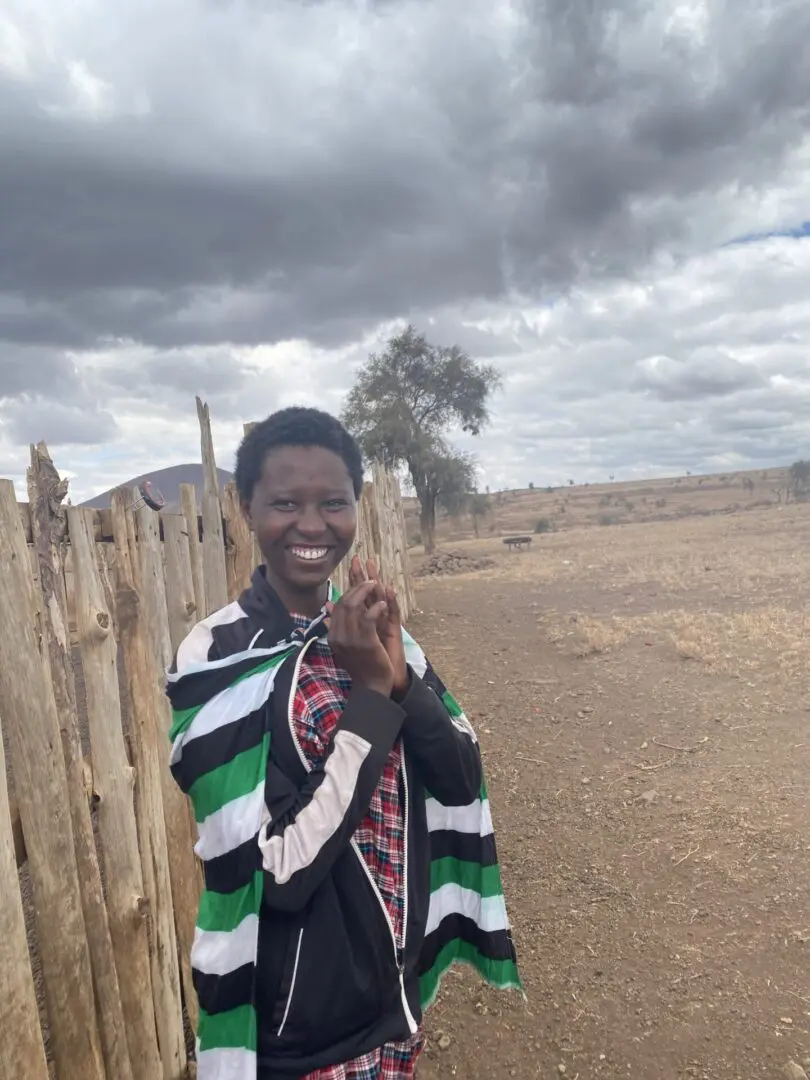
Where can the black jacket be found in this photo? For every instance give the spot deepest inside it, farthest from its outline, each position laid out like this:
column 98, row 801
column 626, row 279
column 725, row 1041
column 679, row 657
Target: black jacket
column 331, row 983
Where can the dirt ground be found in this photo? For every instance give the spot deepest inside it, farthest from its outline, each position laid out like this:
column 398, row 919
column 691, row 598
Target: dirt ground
column 640, row 693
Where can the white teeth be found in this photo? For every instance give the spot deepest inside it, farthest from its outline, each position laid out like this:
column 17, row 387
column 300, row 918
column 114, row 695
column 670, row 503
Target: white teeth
column 310, row 554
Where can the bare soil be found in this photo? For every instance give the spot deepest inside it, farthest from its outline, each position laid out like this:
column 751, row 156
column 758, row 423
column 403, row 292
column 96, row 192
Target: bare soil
column 640, row 693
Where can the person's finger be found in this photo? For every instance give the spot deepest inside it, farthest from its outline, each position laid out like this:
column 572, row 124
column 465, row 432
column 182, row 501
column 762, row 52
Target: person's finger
column 359, row 595
column 329, row 607
column 356, row 575
column 372, row 571
column 394, row 613
column 376, row 612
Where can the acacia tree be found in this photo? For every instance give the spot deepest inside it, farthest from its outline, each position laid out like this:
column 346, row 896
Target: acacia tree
column 401, row 406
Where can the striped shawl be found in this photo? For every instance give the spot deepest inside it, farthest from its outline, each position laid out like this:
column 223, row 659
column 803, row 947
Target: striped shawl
column 228, row 804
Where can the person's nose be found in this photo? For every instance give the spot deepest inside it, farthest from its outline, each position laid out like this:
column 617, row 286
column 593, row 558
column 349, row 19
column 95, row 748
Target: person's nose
column 310, row 523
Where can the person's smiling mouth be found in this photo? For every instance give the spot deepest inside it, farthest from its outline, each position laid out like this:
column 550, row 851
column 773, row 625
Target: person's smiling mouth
column 309, row 552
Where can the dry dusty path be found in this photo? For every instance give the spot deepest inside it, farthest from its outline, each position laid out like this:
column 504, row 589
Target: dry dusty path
column 654, row 825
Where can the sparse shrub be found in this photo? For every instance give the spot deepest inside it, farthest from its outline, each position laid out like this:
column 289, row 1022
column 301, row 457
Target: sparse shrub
column 799, row 476
column 606, row 500
column 549, row 490
column 660, row 503
column 629, row 505
column 543, row 525
column 608, row 519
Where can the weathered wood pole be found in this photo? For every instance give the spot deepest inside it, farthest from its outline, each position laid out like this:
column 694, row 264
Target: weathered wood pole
column 213, row 542
column 21, row 1051
column 37, row 762
column 185, row 872
column 188, row 504
column 114, row 792
column 149, row 749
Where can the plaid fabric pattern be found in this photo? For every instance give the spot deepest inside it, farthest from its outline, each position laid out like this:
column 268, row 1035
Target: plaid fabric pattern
column 319, row 701
column 395, row 1061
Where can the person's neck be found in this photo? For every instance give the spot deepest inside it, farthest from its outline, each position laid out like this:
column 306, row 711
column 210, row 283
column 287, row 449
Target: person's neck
column 308, row 602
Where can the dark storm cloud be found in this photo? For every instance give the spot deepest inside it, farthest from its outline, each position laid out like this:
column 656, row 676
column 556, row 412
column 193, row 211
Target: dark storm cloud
column 707, row 373
column 173, row 373
column 58, row 424
column 344, row 168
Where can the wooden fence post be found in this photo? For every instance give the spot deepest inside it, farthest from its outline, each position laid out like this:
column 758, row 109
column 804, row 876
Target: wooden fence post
column 404, row 553
column 238, row 543
column 185, row 873
column 180, row 600
column 21, row 1051
column 150, row 749
column 37, row 762
column 213, row 542
column 49, row 528
column 114, row 791
column 257, row 555
column 188, row 504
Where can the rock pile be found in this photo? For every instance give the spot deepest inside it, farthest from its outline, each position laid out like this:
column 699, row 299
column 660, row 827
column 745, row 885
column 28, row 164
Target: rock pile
column 453, row 562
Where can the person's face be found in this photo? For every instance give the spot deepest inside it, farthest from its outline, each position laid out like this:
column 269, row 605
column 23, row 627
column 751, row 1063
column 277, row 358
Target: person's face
column 304, row 515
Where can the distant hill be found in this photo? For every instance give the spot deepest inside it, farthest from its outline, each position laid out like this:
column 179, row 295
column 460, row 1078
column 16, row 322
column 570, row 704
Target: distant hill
column 168, row 482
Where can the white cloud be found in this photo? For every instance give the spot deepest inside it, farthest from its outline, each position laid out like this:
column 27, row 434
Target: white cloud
column 704, row 366
column 243, row 199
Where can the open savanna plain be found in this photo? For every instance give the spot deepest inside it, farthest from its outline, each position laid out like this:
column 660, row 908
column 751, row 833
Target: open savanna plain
column 641, row 695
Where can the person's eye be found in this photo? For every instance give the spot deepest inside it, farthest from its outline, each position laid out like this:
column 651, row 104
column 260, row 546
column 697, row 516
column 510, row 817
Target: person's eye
column 336, row 504
column 282, row 504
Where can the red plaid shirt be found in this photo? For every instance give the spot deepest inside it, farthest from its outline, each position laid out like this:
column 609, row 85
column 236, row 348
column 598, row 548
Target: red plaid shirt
column 319, row 701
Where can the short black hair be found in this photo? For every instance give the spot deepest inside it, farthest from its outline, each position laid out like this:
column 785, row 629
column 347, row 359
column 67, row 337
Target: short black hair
column 295, row 426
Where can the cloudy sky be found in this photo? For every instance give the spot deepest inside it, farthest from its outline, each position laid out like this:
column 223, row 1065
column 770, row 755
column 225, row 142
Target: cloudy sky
column 242, row 198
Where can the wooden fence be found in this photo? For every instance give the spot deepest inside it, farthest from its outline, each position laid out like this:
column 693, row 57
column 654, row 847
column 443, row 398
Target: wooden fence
column 99, row 883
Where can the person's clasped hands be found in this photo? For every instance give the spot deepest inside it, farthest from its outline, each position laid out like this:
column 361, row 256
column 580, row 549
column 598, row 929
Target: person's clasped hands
column 365, row 632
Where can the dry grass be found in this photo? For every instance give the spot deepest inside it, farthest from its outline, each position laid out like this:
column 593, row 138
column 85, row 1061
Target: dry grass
column 588, row 637
column 729, row 593
column 563, row 509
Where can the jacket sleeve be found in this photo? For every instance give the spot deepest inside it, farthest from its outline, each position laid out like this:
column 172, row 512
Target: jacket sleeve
column 307, row 828
column 440, row 741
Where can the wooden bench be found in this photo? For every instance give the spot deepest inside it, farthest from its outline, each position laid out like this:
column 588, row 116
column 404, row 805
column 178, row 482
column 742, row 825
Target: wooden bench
column 517, row 543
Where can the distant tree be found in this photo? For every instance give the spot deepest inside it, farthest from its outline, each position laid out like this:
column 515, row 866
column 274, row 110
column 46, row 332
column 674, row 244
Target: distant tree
column 571, row 483
column 401, row 405
column 479, row 508
column 799, row 476
column 748, row 484
column 531, row 485
column 453, row 474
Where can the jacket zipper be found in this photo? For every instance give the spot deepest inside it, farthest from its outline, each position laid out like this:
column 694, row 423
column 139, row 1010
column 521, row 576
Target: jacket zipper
column 292, row 984
column 399, row 955
column 400, row 960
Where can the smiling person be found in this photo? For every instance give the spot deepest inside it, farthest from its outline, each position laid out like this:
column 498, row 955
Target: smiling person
column 344, row 827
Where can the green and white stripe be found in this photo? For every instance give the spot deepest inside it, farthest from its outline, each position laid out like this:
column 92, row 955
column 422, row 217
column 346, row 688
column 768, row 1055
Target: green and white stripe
column 467, row 919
